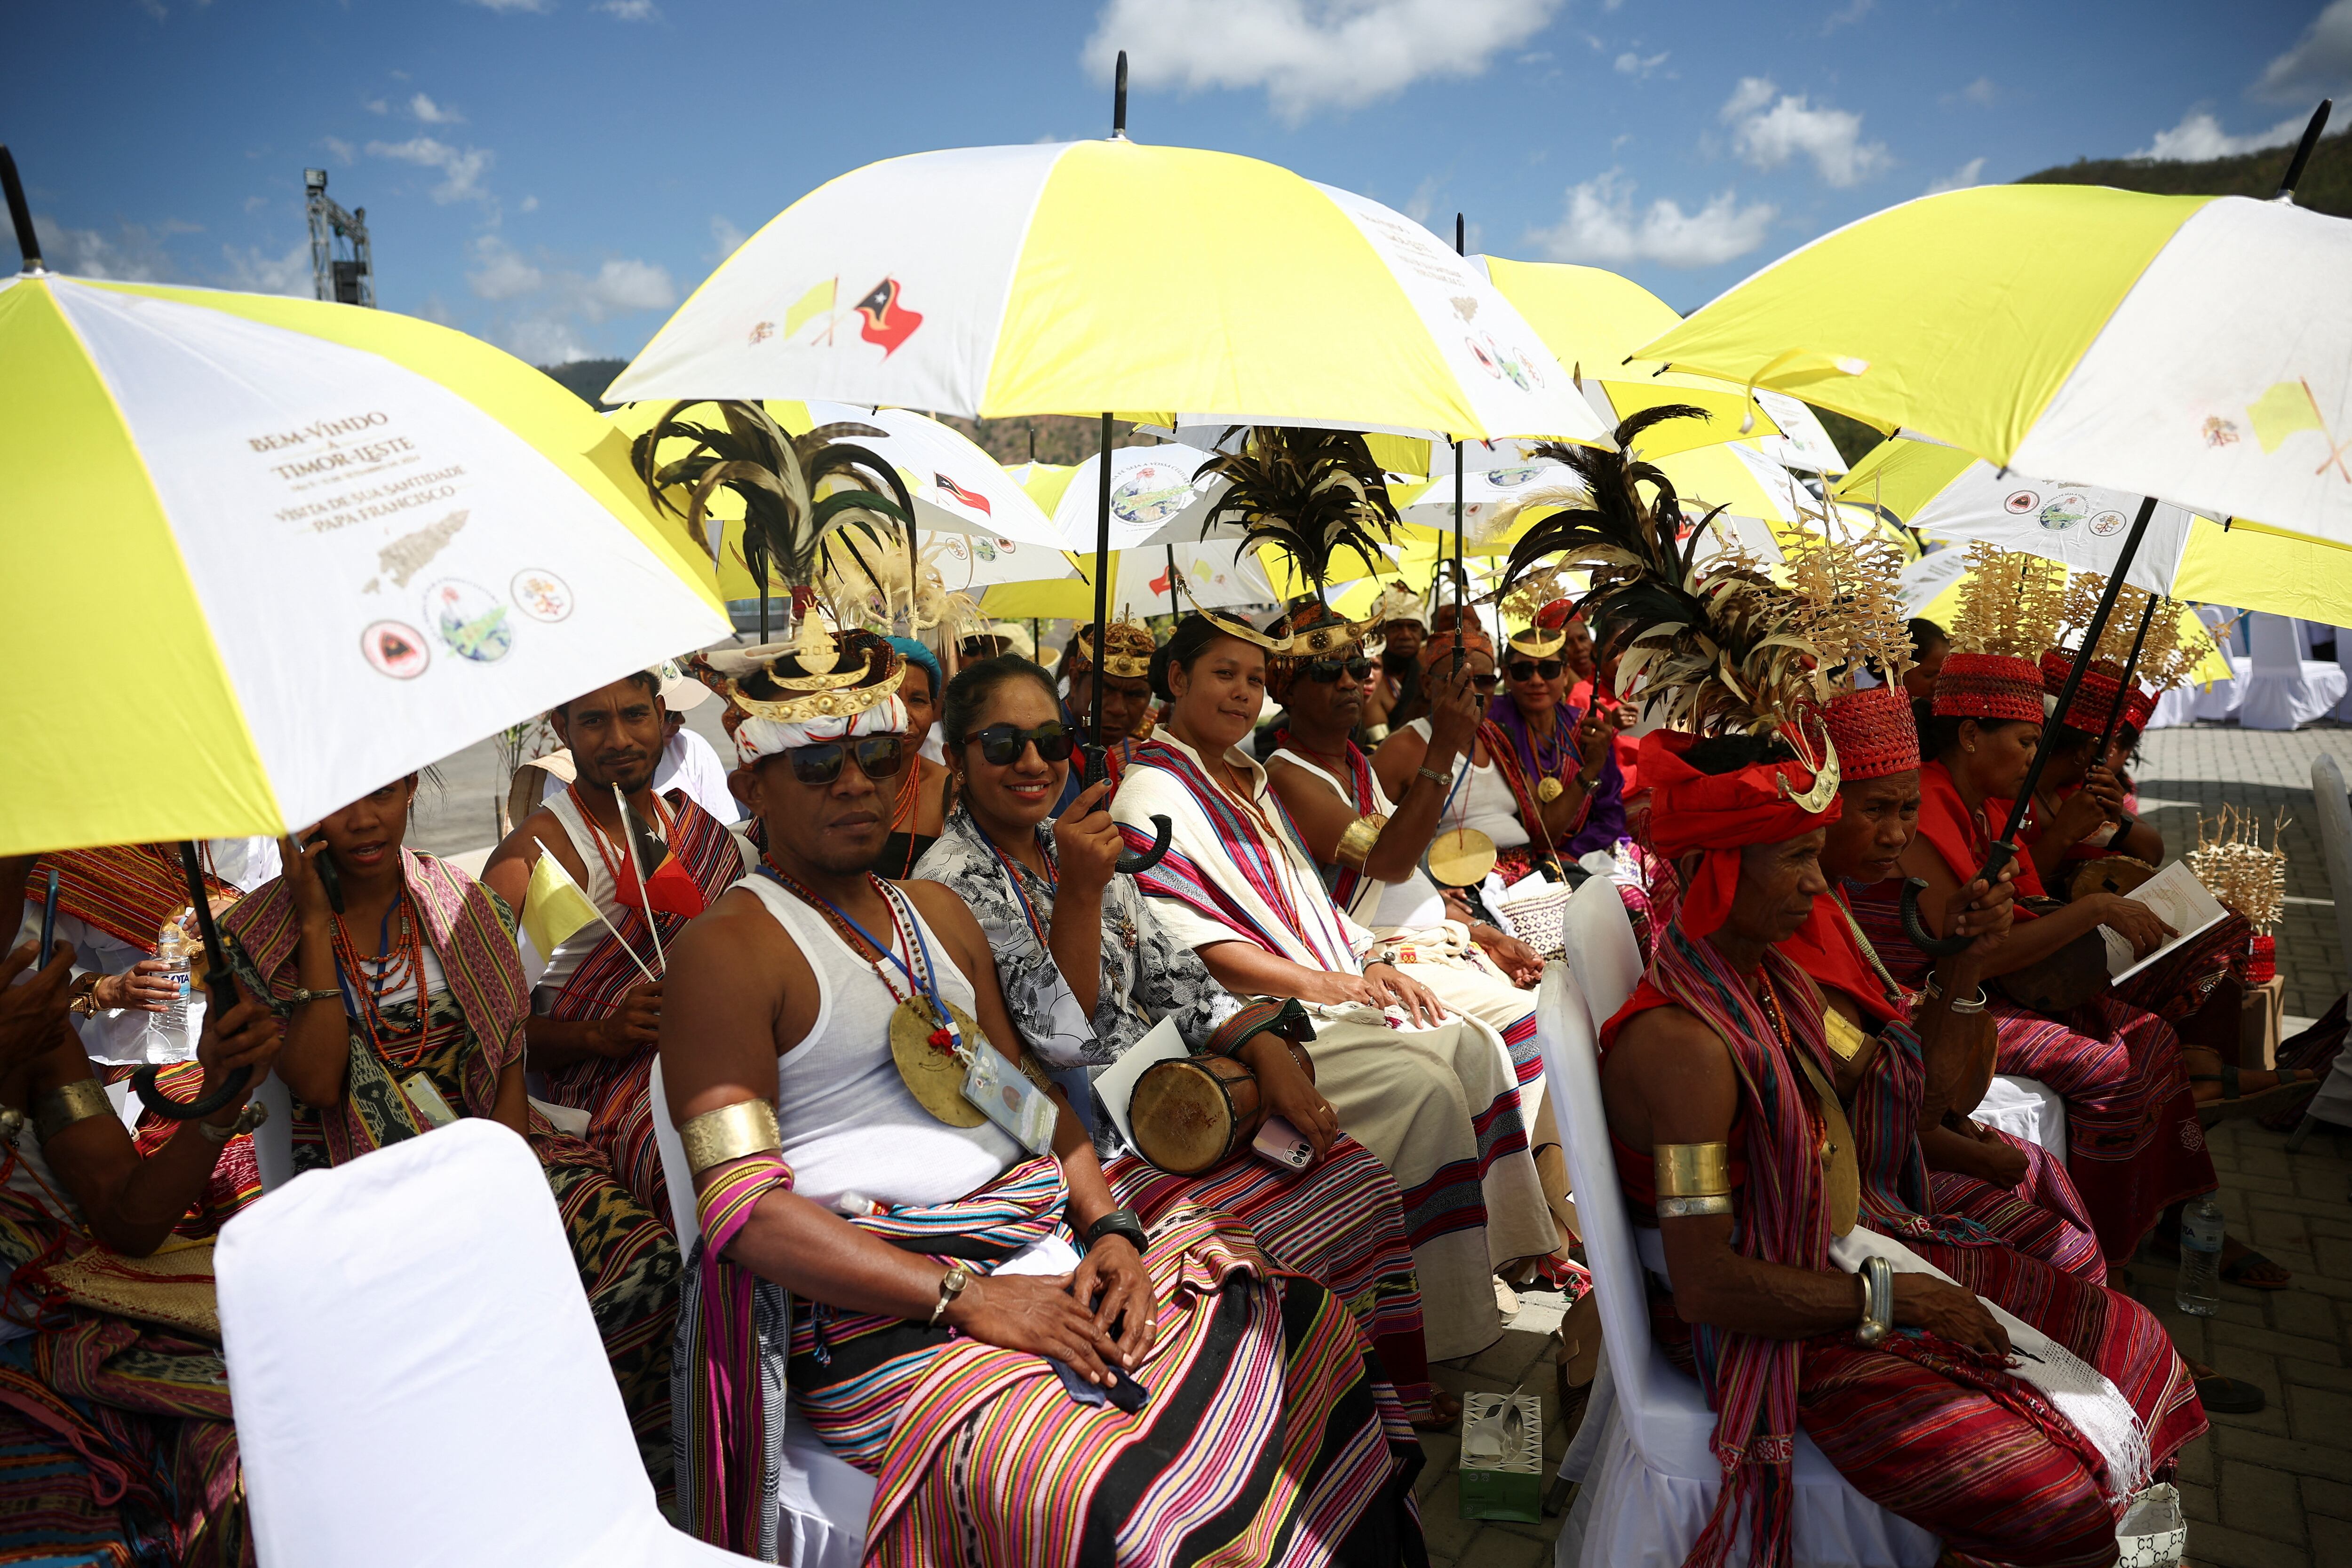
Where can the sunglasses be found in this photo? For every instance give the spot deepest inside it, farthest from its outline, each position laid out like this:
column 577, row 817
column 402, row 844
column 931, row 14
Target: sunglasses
column 1487, row 682
column 1002, row 744
column 878, row 757
column 1326, row 671
column 1527, row 669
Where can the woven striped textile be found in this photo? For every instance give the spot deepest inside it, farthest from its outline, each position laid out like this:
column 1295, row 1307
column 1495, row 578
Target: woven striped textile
column 614, row 1090
column 127, row 890
column 1339, row 1222
column 2042, row 1216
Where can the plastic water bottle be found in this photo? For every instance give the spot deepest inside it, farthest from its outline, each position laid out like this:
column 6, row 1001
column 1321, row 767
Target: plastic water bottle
column 171, row 951
column 2200, row 1257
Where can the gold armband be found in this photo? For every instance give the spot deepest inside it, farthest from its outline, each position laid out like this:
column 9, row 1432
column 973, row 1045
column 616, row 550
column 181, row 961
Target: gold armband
column 1685, row 1207
column 69, row 1102
column 1692, row 1170
column 1356, row 844
column 730, row 1132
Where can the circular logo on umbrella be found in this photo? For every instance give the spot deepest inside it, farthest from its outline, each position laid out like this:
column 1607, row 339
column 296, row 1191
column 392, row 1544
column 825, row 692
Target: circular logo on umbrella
column 470, row 619
column 1151, row 493
column 1511, row 478
column 983, row 549
column 2106, row 525
column 2065, row 512
column 2022, row 501
column 396, row 649
column 541, row 595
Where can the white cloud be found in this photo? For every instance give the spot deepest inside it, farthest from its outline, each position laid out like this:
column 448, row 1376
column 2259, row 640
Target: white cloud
column 1309, row 54
column 1855, row 11
column 2199, row 136
column 501, row 274
column 1980, row 92
column 621, row 286
column 548, row 341
column 1424, row 200
column 543, row 6
column 343, row 150
column 2320, row 64
column 1958, row 179
column 377, row 106
column 726, row 239
column 133, row 252
column 629, row 10
column 249, row 268
column 1767, row 138
column 1600, row 226
column 255, row 203
column 432, row 113
column 461, row 172
column 528, row 204
column 1638, row 67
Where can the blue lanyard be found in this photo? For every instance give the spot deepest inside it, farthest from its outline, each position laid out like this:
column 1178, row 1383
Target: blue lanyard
column 919, row 977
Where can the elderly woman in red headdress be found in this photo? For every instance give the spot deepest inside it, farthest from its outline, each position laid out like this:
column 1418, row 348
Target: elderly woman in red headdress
column 2083, row 809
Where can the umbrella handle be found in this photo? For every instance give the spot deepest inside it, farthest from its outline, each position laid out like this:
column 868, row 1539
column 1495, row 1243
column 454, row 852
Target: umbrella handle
column 1132, row 863
column 1996, row 861
column 231, row 1088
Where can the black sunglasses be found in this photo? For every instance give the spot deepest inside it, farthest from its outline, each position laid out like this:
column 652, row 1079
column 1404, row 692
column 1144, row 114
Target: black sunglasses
column 1326, row 671
column 1003, row 743
column 1549, row 669
column 878, row 757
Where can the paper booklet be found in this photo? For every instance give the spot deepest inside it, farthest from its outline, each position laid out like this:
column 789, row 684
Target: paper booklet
column 1116, row 1087
column 2180, row 900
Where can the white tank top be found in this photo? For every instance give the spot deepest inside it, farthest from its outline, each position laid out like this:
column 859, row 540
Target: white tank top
column 1485, row 802
column 850, row 1123
column 597, row 883
column 1413, row 904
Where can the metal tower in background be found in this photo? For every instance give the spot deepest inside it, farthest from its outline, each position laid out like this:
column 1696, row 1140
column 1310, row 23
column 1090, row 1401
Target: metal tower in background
column 350, row 279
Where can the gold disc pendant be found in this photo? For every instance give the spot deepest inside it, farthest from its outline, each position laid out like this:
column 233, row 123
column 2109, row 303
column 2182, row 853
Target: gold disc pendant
column 1550, row 790
column 933, row 1076
column 1460, row 856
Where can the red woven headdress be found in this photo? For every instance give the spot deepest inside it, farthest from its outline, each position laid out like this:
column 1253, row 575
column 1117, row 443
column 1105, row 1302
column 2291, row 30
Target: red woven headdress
column 1721, row 813
column 1989, row 685
column 1873, row 732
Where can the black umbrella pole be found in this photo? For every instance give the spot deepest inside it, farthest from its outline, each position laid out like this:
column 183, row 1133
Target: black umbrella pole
column 2123, row 692
column 2004, row 849
column 1461, row 578
column 19, row 214
column 220, row 990
column 2303, row 149
column 1096, row 767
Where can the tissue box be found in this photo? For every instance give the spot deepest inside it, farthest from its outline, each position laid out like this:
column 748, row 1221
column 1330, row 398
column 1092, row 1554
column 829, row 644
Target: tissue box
column 1502, row 1457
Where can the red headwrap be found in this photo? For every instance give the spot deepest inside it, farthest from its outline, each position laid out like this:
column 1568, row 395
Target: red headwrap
column 1873, row 732
column 1720, row 813
column 2095, row 698
column 1989, row 685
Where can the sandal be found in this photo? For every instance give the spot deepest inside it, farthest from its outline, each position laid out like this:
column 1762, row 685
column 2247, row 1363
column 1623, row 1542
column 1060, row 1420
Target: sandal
column 2231, row 1104
column 2223, row 1395
column 2234, row 1270
column 1445, row 1411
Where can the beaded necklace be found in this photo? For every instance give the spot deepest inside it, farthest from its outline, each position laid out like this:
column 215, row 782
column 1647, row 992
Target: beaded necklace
column 944, row 1038
column 399, row 964
column 611, row 854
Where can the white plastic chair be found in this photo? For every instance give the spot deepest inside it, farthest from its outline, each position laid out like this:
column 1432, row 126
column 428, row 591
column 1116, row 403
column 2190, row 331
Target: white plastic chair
column 2344, row 663
column 406, row 1332
column 2287, row 690
column 1653, row 1480
column 2333, row 1103
column 826, row 1500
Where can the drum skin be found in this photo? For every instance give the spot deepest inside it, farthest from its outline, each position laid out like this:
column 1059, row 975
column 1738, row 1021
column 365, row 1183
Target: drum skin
column 1194, row 1114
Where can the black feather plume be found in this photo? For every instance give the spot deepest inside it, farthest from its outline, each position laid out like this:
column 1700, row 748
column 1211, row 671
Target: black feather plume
column 1307, row 493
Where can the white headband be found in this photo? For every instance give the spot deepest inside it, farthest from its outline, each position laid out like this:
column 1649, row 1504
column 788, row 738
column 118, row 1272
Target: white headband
column 756, row 737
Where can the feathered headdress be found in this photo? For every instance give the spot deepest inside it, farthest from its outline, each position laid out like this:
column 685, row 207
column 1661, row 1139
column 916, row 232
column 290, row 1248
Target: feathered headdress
column 1307, row 493
column 803, row 495
column 1713, row 644
column 877, row 587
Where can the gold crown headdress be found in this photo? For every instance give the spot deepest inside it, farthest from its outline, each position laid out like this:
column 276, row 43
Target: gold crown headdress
column 2237, row 870
column 818, row 675
column 1850, row 594
column 1128, row 649
column 2011, row 603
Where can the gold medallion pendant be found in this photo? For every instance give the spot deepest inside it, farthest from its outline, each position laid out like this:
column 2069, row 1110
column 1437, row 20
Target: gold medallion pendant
column 1550, row 790
column 1460, row 857
column 934, row 1074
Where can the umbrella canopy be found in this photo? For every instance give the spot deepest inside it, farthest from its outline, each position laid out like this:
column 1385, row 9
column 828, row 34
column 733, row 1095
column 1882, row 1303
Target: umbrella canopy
column 1946, row 493
column 2195, row 348
column 1594, row 321
column 265, row 555
column 1087, row 276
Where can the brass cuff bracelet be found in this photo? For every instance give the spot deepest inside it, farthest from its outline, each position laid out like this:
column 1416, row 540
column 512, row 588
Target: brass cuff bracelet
column 1693, row 1170
column 1685, row 1208
column 76, row 1101
column 730, row 1132
column 1356, row 844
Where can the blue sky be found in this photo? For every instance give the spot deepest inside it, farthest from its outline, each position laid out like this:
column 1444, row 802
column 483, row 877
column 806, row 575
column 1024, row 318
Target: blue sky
column 555, row 174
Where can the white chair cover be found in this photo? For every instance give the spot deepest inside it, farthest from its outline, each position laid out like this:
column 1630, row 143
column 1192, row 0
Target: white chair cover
column 2176, row 708
column 417, row 1377
column 2344, row 663
column 2333, row 1103
column 2220, row 700
column 826, row 1500
column 2287, row 690
column 1653, row 1480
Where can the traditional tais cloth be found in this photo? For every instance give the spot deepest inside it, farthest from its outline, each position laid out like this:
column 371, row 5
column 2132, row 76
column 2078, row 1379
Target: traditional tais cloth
column 1524, row 762
column 1949, row 1439
column 1439, row 1107
column 615, row 1091
column 1268, row 1434
column 1341, row 1223
column 2134, row 1145
column 471, row 1031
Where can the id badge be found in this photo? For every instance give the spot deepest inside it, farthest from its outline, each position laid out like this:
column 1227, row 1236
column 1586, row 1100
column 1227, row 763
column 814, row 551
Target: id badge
column 1003, row 1095
column 428, row 1101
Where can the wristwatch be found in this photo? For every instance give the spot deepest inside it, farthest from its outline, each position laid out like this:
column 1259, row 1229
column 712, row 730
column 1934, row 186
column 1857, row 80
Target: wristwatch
column 952, row 1284
column 1120, row 1222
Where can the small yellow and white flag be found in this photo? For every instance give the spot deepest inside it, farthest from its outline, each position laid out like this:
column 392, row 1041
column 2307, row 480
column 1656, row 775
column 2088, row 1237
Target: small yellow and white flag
column 555, row 906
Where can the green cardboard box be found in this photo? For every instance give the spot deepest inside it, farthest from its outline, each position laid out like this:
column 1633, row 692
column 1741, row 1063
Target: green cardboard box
column 1502, row 1457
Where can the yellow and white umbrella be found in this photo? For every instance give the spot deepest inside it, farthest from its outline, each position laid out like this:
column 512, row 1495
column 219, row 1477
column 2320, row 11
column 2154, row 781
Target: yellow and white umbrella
column 1948, row 494
column 2195, row 348
column 1595, row 321
column 1931, row 592
column 1078, row 277
column 265, row 555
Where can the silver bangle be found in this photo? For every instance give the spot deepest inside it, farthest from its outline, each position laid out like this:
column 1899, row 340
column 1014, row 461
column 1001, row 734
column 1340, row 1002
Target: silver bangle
column 1689, row 1207
column 254, row 1113
column 1935, row 993
column 1877, row 1277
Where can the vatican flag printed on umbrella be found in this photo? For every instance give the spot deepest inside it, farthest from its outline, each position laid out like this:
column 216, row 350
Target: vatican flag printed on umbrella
column 1087, row 276
column 2194, row 349
column 265, row 555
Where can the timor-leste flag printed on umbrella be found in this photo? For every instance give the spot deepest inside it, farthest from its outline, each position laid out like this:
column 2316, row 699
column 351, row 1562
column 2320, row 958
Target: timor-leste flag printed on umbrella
column 1092, row 276
column 2196, row 349
column 265, row 555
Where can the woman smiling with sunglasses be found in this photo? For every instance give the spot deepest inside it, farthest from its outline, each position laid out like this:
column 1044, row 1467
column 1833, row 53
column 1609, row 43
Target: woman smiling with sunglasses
column 1087, row 968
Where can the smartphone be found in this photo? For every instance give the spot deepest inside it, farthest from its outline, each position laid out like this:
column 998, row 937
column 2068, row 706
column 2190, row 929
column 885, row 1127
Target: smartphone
column 48, row 922
column 1124, row 1393
column 1283, row 1144
column 329, row 877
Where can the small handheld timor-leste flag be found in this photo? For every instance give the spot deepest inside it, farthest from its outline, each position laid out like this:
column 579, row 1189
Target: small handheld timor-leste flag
column 555, row 907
